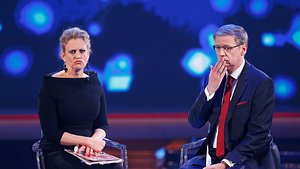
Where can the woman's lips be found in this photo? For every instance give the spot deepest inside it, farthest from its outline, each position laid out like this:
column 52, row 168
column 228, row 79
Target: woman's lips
column 78, row 62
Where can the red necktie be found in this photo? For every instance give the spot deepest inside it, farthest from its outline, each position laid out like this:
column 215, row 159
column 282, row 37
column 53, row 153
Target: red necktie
column 226, row 99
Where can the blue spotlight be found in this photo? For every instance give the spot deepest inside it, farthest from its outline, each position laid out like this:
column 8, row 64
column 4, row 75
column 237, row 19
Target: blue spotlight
column 0, row 27
column 221, row 5
column 294, row 32
column 206, row 38
column 259, row 8
column 196, row 62
column 36, row 16
column 268, row 39
column 118, row 73
column 16, row 63
column 160, row 153
column 95, row 29
column 296, row 37
column 285, row 87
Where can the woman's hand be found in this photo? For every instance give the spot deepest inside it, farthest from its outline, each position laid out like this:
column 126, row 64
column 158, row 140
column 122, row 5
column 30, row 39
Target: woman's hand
column 91, row 147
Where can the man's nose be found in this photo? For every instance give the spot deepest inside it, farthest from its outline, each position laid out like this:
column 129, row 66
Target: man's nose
column 222, row 52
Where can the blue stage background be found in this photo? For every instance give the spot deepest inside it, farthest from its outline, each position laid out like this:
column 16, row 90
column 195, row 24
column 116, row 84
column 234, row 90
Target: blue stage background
column 150, row 55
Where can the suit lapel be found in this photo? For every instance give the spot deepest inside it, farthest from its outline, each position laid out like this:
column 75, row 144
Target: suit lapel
column 239, row 90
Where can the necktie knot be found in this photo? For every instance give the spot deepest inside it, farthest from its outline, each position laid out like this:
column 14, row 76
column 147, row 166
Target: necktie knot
column 229, row 82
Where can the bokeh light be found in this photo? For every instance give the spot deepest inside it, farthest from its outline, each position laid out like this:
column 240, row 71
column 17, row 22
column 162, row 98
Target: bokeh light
column 16, row 62
column 35, row 16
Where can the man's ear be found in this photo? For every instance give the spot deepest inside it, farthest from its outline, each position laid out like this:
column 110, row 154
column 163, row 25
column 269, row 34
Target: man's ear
column 244, row 49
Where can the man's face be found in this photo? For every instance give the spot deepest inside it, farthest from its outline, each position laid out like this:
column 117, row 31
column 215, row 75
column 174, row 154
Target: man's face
column 226, row 47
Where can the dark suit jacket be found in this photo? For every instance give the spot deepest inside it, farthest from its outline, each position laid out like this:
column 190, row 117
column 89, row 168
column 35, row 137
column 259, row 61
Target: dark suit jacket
column 249, row 117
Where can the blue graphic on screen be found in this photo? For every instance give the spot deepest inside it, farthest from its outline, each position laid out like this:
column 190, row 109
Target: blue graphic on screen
column 196, row 62
column 221, row 5
column 268, row 39
column 206, row 38
column 36, row 16
column 160, row 153
column 294, row 32
column 16, row 63
column 259, row 8
column 188, row 28
column 118, row 73
column 285, row 87
column 94, row 29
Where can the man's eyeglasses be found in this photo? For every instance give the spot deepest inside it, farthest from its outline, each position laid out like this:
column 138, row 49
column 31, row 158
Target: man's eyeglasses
column 226, row 48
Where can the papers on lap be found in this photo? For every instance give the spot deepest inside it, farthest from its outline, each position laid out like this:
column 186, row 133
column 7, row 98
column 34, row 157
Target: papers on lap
column 100, row 158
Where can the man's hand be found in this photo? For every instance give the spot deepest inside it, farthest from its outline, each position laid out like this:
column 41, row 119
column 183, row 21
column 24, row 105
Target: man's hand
column 216, row 75
column 216, row 166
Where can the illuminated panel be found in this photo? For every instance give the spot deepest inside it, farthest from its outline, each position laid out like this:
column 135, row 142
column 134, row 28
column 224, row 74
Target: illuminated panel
column 94, row 29
column 221, row 5
column 206, row 38
column 16, row 63
column 285, row 87
column 196, row 62
column 35, row 16
column 118, row 73
column 268, row 39
column 294, row 32
column 259, row 8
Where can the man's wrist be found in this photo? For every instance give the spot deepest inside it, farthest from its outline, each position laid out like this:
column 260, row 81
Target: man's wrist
column 225, row 164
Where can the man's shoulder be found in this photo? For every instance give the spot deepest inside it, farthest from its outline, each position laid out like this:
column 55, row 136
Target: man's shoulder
column 257, row 73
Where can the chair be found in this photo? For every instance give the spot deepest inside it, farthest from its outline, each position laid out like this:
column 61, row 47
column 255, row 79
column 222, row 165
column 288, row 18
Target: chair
column 123, row 152
column 189, row 149
column 271, row 160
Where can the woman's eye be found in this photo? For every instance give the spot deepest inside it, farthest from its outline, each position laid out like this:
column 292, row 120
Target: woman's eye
column 72, row 52
column 82, row 50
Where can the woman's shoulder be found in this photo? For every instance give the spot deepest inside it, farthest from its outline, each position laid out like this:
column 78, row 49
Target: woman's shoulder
column 60, row 74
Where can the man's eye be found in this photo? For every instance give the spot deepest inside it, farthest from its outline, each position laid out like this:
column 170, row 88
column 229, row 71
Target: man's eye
column 82, row 50
column 226, row 48
column 72, row 52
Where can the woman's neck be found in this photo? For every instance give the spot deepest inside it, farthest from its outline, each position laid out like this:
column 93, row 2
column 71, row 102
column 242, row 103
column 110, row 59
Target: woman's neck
column 70, row 74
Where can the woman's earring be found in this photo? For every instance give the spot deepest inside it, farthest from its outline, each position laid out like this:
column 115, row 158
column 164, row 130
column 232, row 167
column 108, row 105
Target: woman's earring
column 65, row 67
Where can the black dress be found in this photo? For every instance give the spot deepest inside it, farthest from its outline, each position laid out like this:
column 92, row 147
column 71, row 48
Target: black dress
column 74, row 105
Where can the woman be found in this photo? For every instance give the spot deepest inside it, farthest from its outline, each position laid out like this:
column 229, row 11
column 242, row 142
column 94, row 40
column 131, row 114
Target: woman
column 72, row 107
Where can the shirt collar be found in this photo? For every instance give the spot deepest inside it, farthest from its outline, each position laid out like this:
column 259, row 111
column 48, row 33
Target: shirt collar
column 238, row 71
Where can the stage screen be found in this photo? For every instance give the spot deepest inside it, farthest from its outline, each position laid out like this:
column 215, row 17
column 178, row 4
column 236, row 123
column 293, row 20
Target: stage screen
column 151, row 55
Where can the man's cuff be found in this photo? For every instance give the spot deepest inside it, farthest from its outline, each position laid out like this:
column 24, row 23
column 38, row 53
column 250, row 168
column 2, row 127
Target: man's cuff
column 229, row 163
column 208, row 97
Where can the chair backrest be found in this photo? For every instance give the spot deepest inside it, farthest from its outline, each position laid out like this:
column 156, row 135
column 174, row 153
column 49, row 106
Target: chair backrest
column 189, row 149
column 271, row 160
column 123, row 153
column 38, row 155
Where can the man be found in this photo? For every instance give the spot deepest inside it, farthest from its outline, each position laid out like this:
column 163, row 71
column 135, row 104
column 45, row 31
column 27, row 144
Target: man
column 237, row 101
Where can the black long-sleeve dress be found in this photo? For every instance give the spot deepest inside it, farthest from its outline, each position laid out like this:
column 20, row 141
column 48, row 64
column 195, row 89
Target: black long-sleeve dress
column 74, row 105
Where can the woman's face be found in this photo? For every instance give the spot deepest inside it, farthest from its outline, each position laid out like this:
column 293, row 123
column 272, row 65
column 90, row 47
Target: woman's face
column 76, row 55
